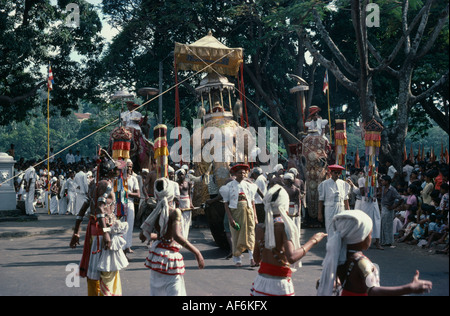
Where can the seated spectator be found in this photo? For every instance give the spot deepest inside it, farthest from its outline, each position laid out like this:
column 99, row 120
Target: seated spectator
column 436, row 232
column 406, row 232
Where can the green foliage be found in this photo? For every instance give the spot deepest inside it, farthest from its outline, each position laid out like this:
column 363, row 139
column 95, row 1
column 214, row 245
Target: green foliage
column 34, row 33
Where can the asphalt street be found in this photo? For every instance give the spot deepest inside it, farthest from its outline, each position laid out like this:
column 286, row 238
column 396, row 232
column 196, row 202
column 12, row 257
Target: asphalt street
column 36, row 261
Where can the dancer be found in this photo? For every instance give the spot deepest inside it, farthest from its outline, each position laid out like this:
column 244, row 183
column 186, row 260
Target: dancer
column 278, row 246
column 163, row 226
column 357, row 275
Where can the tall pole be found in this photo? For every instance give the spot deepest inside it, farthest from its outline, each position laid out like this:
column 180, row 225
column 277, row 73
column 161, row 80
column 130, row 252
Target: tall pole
column 48, row 144
column 160, row 94
column 329, row 114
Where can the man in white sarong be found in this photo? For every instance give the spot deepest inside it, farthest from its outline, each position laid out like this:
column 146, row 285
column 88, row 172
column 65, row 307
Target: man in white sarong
column 71, row 188
column 30, row 178
column 371, row 208
column 133, row 192
column 62, row 195
column 165, row 261
column 333, row 196
column 82, row 189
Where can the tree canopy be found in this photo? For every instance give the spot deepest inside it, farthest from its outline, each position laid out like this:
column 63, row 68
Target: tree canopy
column 370, row 68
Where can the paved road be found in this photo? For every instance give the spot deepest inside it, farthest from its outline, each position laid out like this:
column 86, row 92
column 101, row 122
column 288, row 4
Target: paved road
column 36, row 260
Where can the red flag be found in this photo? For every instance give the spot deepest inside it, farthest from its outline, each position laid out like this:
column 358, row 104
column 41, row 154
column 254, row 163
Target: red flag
column 404, row 154
column 325, row 82
column 432, row 156
column 50, row 79
column 446, row 156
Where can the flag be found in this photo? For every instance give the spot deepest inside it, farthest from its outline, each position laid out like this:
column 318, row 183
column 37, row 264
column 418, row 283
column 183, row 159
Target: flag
column 446, row 156
column 325, row 82
column 357, row 165
column 404, row 153
column 50, row 81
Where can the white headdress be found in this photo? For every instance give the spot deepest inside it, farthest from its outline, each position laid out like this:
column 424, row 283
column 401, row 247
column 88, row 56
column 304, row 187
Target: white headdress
column 289, row 176
column 347, row 228
column 163, row 196
column 293, row 171
column 276, row 201
column 278, row 167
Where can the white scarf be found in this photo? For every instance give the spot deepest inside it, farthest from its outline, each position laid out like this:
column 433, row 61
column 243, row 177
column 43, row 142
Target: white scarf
column 349, row 227
column 279, row 206
column 163, row 197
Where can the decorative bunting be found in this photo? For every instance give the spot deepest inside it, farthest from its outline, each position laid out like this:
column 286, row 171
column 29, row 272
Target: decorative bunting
column 341, row 142
column 372, row 138
column 161, row 150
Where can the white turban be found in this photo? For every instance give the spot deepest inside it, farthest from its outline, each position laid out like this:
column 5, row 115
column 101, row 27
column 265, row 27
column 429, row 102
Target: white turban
column 289, row 176
column 279, row 206
column 347, row 228
column 170, row 169
column 163, row 196
column 294, row 171
column 183, row 171
column 278, row 167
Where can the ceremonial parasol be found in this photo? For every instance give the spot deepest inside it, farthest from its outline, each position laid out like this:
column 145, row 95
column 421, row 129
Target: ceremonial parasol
column 208, row 50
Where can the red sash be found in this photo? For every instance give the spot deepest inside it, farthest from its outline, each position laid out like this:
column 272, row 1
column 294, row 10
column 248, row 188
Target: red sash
column 273, row 270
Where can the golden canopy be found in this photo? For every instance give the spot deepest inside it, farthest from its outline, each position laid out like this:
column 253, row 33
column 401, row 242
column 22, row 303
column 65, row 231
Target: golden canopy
column 208, row 50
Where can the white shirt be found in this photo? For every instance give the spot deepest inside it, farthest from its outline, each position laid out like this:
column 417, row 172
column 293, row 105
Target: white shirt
column 261, row 183
column 131, row 119
column 71, row 186
column 30, row 175
column 81, row 182
column 408, row 169
column 331, row 192
column 316, row 126
column 391, row 171
column 70, row 158
column 230, row 192
column 133, row 185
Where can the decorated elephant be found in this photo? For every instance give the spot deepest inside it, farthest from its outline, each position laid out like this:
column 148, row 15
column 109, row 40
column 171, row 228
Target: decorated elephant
column 315, row 150
column 214, row 166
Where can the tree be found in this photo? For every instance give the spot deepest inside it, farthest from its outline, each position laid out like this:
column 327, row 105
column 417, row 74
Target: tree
column 358, row 77
column 34, row 33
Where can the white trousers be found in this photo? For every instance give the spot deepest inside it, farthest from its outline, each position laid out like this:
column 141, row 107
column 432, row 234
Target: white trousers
column 29, row 207
column 71, row 197
column 130, row 221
